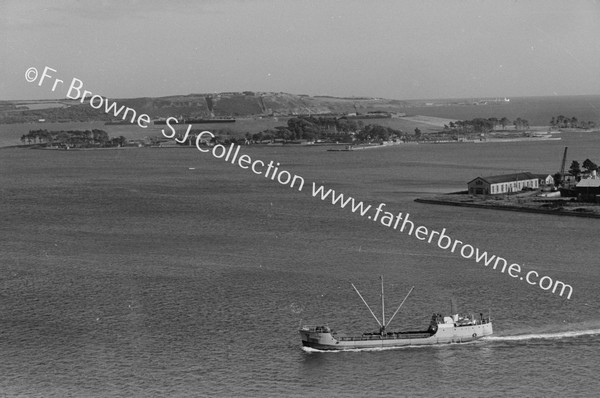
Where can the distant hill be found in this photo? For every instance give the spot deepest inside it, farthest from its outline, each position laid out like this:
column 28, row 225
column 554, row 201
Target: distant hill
column 231, row 104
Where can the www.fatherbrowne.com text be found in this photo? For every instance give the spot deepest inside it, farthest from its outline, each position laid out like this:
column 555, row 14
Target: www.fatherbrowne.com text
column 398, row 221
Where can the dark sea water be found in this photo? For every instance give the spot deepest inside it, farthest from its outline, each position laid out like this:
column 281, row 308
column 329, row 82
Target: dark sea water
column 536, row 110
column 167, row 272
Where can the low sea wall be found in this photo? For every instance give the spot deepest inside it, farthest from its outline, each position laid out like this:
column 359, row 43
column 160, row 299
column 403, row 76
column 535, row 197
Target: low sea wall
column 556, row 212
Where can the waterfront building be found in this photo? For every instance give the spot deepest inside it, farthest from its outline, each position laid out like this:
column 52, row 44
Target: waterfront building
column 501, row 184
column 545, row 179
column 588, row 189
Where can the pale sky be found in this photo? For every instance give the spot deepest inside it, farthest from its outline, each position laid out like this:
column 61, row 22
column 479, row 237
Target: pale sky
column 391, row 49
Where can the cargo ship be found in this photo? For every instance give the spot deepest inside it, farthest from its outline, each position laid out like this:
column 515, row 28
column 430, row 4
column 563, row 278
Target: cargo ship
column 455, row 328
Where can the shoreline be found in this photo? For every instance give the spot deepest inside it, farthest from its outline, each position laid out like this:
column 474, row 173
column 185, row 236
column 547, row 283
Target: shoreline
column 574, row 212
column 333, row 147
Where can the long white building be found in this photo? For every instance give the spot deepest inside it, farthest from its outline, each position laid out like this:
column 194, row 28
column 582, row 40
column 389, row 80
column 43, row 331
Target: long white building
column 506, row 183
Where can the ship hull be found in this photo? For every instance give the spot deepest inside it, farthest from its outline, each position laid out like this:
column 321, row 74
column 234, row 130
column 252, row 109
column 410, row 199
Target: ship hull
column 445, row 334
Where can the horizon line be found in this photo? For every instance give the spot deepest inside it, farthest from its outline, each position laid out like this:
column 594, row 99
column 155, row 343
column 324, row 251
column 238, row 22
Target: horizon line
column 357, row 97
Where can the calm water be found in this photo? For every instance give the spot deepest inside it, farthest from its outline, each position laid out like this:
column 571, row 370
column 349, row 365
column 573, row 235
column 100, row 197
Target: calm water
column 536, row 110
column 150, row 272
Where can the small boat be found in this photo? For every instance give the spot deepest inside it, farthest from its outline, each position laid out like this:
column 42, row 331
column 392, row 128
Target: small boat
column 456, row 328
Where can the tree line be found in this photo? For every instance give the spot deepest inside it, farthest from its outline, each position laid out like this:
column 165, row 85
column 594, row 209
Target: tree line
column 570, row 122
column 332, row 129
column 73, row 138
column 312, row 128
column 483, row 125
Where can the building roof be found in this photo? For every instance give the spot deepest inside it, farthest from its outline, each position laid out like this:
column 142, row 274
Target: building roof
column 542, row 176
column 589, row 183
column 507, row 178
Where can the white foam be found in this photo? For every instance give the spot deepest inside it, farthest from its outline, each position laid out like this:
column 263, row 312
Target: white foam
column 540, row 336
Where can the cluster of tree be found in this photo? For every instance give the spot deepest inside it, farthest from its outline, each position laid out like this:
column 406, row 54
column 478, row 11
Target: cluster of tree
column 520, row 124
column 576, row 171
column 482, row 125
column 375, row 132
column 326, row 129
column 572, row 122
column 588, row 167
column 73, row 138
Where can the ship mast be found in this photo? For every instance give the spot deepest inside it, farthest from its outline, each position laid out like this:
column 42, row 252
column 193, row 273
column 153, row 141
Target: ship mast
column 382, row 324
column 400, row 306
column 382, row 307
column 363, row 300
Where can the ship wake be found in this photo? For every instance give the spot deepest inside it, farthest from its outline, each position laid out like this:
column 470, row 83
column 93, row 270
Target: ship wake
column 544, row 336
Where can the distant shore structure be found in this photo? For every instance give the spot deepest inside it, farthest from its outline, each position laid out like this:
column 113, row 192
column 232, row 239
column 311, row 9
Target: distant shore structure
column 199, row 120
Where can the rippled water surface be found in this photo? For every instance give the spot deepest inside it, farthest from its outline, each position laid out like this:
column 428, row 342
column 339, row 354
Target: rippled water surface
column 150, row 272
